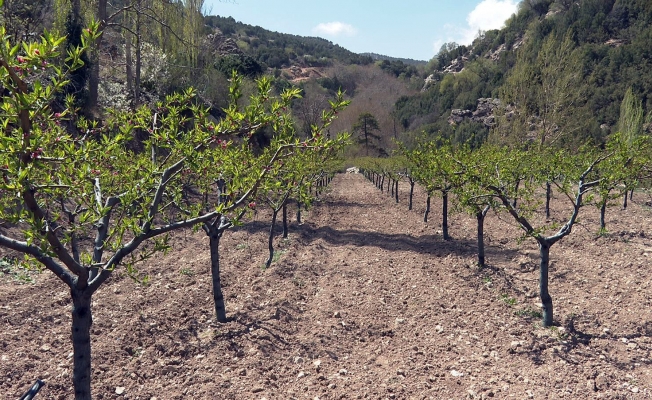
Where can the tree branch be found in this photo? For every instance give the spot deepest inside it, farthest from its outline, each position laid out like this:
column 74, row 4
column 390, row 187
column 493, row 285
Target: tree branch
column 35, row 252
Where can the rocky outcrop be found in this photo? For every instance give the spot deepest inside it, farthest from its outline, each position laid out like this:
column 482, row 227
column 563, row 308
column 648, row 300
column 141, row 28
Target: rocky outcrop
column 495, row 55
column 614, row 42
column 297, row 74
column 429, row 81
column 484, row 113
column 456, row 66
column 218, row 44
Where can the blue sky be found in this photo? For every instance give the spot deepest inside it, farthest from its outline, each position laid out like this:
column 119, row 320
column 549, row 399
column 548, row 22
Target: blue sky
column 408, row 28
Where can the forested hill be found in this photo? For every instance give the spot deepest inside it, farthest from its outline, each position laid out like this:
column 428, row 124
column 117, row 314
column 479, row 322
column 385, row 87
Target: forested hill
column 577, row 58
column 278, row 50
column 381, row 57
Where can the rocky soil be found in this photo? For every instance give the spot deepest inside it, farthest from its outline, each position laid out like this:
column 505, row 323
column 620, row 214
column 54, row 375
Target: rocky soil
column 365, row 301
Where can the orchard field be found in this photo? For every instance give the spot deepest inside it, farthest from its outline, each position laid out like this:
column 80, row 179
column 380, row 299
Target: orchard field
column 365, row 301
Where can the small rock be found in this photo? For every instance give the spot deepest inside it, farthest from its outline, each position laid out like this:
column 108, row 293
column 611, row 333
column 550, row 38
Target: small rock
column 634, row 389
column 242, row 372
column 337, row 314
column 45, row 347
column 591, row 385
column 298, row 360
column 439, row 329
column 257, row 389
column 456, row 374
column 332, row 386
column 343, row 371
column 530, row 394
column 301, row 375
column 400, row 372
column 119, row 390
column 399, row 321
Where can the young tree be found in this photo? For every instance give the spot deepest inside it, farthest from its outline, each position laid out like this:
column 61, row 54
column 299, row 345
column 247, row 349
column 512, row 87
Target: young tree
column 620, row 172
column 472, row 196
column 239, row 174
column 62, row 188
column 435, row 169
column 578, row 179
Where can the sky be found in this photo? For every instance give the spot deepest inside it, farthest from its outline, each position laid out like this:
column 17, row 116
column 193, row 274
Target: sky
column 401, row 28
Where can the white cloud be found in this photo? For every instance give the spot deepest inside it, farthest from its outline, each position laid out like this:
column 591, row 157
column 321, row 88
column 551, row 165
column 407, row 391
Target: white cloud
column 490, row 14
column 334, row 29
column 487, row 15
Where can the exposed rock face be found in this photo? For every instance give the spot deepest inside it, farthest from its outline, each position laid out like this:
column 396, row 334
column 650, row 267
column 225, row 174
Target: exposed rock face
column 218, row 44
column 456, row 66
column 495, row 55
column 457, row 116
column 484, row 113
column 429, row 81
column 298, row 74
column 614, row 42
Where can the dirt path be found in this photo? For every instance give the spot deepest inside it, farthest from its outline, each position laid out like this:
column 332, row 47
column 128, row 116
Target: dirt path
column 365, row 301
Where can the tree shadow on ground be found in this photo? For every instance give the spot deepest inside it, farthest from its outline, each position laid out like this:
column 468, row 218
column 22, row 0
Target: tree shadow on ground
column 424, row 244
column 575, row 343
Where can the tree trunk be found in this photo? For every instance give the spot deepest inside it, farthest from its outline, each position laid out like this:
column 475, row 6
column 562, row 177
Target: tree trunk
column 548, row 196
column 480, row 218
column 298, row 211
column 625, row 200
column 285, row 220
column 425, row 214
column 382, row 184
column 270, row 242
column 128, row 63
column 81, row 343
column 214, row 235
column 631, row 194
column 391, row 183
column 396, row 192
column 603, row 209
column 411, row 195
column 546, row 300
column 444, row 222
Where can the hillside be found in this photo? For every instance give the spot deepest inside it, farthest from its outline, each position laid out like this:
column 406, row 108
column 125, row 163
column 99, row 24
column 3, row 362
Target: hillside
column 607, row 51
column 280, row 50
column 355, row 308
